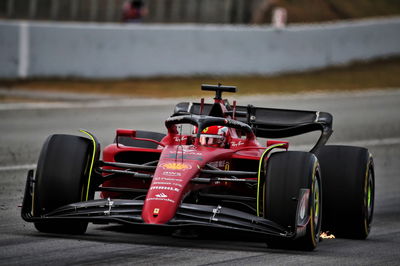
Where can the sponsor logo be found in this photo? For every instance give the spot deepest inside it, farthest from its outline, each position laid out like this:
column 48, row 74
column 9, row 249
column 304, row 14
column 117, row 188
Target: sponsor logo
column 165, row 188
column 168, row 173
column 221, row 164
column 176, row 166
column 167, row 183
column 167, row 179
column 234, row 122
column 226, row 167
column 218, row 164
column 237, row 144
column 162, row 195
column 193, row 153
column 161, row 199
column 186, row 151
column 191, row 157
column 177, row 139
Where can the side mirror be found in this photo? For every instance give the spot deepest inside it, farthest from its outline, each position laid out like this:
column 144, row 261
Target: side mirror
column 125, row 133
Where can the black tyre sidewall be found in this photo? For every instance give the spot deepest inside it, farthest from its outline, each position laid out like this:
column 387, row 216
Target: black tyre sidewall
column 345, row 172
column 60, row 179
column 286, row 174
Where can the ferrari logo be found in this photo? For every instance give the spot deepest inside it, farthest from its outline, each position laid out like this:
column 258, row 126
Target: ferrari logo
column 226, row 166
column 176, row 166
column 156, row 211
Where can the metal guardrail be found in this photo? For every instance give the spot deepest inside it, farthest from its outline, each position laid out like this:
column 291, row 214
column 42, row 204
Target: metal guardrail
column 163, row 11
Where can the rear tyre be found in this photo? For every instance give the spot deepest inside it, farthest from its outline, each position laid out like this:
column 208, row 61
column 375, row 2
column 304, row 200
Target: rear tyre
column 61, row 178
column 288, row 173
column 349, row 188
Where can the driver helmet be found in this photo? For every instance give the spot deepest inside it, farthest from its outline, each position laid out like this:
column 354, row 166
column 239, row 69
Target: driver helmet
column 214, row 136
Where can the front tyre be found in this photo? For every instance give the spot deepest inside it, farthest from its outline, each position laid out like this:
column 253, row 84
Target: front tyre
column 293, row 197
column 61, row 179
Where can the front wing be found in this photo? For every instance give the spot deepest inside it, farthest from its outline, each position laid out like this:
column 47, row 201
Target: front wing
column 121, row 211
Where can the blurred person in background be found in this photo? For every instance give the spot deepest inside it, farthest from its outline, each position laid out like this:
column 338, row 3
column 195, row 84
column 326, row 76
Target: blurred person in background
column 134, row 11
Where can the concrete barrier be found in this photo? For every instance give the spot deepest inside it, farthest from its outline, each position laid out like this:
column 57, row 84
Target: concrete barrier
column 9, row 50
column 120, row 51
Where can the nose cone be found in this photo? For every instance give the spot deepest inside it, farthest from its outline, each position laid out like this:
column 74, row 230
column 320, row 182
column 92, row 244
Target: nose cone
column 156, row 212
column 170, row 183
column 171, row 180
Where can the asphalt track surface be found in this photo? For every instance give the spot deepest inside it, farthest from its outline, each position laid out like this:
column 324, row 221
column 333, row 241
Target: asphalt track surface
column 370, row 119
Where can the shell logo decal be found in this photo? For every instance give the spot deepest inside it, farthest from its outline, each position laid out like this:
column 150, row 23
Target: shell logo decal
column 176, row 166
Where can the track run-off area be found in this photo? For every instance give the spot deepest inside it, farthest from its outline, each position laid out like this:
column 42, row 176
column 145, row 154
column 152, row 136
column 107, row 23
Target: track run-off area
column 370, row 119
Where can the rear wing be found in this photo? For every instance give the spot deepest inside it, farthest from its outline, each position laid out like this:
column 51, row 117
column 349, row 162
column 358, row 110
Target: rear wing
column 271, row 122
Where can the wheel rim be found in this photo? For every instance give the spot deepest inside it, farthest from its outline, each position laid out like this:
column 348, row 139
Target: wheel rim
column 316, row 203
column 370, row 196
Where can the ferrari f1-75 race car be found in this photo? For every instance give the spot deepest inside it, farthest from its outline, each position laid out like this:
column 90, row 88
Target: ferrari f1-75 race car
column 215, row 175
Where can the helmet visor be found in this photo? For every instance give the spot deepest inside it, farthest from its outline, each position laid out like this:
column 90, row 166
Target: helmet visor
column 211, row 140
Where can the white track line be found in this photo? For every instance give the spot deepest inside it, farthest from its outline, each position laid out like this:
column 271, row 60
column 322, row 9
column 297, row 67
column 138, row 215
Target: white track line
column 17, row 167
column 100, row 101
column 360, row 143
column 86, row 105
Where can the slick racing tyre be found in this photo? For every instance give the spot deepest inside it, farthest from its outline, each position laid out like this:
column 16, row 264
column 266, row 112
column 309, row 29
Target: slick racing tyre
column 61, row 178
column 348, row 187
column 290, row 176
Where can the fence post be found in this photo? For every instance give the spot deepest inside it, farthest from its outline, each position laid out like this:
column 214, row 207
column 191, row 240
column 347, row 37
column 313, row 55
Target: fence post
column 190, row 11
column 93, row 10
column 74, row 9
column 32, row 9
column 240, row 11
column 110, row 10
column 208, row 14
column 176, row 7
column 54, row 9
column 227, row 9
column 10, row 8
column 118, row 10
column 159, row 10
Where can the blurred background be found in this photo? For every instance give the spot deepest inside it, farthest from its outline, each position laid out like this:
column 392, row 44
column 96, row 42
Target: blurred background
column 129, row 46
column 198, row 11
column 107, row 64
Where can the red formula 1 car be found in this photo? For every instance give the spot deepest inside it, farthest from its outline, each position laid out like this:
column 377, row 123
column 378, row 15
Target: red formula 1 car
column 216, row 175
